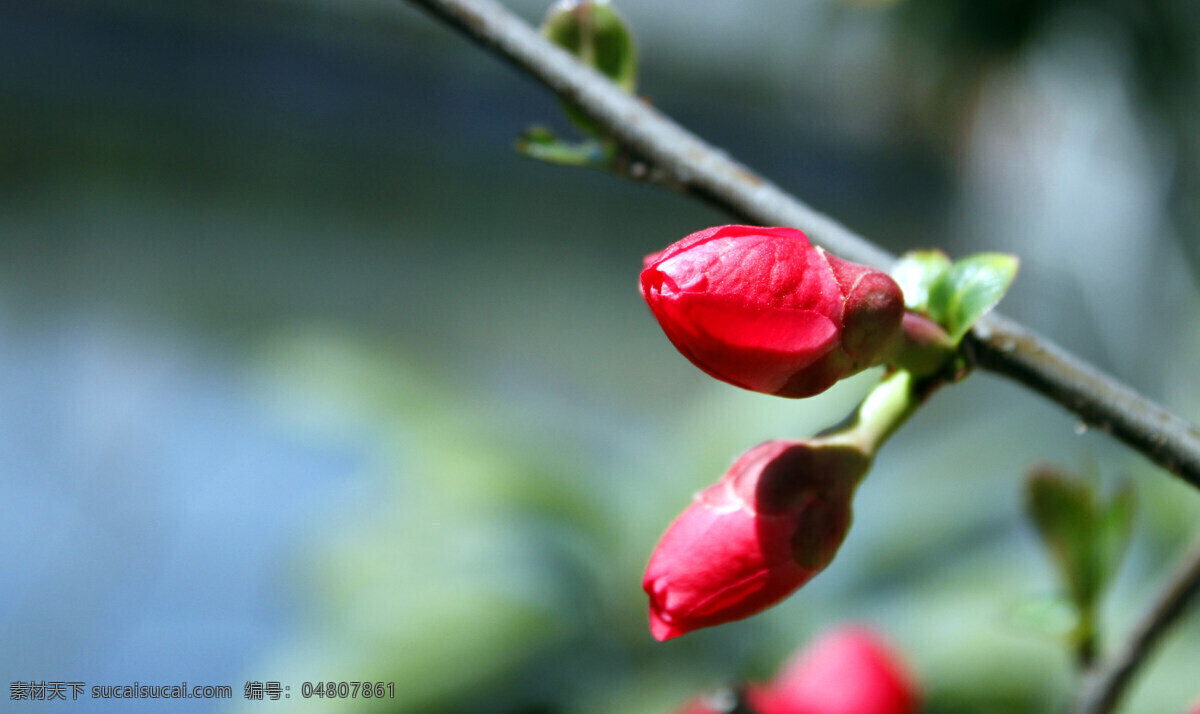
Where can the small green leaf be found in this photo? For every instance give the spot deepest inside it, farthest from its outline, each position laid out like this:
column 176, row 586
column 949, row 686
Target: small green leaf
column 1086, row 536
column 1063, row 512
column 915, row 272
column 968, row 289
column 536, row 134
column 540, row 143
column 595, row 33
column 1114, row 529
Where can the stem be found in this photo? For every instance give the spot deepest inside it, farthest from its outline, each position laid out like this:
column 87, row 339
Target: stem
column 884, row 410
column 998, row 344
column 1105, row 685
column 923, row 348
column 1007, row 348
column 1086, row 644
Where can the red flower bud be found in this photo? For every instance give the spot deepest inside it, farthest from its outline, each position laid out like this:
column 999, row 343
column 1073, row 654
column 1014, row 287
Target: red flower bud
column 772, row 522
column 848, row 671
column 763, row 309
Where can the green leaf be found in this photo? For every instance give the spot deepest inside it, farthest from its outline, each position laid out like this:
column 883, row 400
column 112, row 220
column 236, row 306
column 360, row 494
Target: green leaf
column 915, row 272
column 968, row 289
column 595, row 33
column 1114, row 530
column 1087, row 537
column 540, row 143
column 1063, row 512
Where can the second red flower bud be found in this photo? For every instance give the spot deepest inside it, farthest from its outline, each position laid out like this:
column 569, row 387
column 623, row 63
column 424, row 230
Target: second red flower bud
column 772, row 522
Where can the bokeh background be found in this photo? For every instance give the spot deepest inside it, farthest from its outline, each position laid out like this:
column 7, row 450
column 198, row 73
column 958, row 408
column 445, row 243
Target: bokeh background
column 308, row 376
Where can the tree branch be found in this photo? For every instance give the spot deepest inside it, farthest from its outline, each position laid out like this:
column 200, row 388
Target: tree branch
column 997, row 344
column 1108, row 682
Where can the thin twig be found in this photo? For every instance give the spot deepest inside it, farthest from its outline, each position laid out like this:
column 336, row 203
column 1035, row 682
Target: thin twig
column 1104, row 687
column 998, row 344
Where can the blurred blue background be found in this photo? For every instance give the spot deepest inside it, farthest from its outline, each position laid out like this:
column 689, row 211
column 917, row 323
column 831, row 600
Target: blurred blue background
column 308, row 376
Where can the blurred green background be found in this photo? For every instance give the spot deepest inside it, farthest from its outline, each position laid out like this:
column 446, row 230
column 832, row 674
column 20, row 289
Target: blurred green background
column 308, row 376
